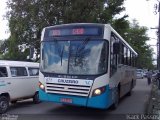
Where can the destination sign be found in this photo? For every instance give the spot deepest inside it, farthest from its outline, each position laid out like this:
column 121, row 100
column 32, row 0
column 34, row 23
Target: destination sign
column 73, row 31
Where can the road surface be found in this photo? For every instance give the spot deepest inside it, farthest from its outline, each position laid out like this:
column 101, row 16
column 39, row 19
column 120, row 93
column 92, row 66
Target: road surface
column 134, row 104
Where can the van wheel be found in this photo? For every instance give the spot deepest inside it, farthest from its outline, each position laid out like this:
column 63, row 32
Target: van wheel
column 4, row 104
column 116, row 101
column 36, row 98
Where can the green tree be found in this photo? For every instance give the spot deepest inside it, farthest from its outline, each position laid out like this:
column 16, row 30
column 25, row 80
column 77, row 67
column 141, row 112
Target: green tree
column 27, row 18
column 137, row 37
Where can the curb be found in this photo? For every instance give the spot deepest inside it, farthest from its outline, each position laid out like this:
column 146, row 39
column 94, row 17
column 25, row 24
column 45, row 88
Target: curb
column 153, row 104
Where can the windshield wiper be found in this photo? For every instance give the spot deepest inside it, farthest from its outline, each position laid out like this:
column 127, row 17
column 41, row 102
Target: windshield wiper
column 80, row 48
column 61, row 55
column 84, row 43
column 60, row 52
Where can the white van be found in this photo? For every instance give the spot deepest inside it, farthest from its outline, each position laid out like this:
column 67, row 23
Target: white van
column 18, row 81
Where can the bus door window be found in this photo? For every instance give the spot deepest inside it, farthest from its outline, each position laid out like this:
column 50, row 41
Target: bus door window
column 129, row 58
column 113, row 57
column 102, row 67
column 121, row 54
column 125, row 55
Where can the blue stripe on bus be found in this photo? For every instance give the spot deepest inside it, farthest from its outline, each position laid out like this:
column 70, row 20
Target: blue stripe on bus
column 2, row 85
column 102, row 101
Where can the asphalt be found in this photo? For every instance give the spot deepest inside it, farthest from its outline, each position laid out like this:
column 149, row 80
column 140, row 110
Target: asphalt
column 129, row 105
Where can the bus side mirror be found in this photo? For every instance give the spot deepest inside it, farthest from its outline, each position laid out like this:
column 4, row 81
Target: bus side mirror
column 116, row 48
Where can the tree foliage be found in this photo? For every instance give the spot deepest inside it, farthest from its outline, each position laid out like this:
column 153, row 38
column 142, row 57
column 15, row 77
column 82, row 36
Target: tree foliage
column 137, row 37
column 27, row 18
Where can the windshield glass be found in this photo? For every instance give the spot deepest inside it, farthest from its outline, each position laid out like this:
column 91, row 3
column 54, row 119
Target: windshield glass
column 79, row 57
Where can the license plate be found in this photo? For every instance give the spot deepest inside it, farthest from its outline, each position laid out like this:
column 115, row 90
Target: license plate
column 66, row 100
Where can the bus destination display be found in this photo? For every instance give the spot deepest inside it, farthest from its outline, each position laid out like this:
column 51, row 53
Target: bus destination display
column 74, row 32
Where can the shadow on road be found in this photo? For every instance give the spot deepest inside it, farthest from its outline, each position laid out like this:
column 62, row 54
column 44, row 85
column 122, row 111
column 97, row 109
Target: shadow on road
column 65, row 112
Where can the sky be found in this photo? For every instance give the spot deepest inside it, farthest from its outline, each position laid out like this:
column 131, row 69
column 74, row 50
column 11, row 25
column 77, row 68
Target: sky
column 141, row 10
column 144, row 12
column 3, row 22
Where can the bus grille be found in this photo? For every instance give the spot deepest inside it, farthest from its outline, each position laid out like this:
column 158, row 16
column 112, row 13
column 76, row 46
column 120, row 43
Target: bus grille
column 76, row 90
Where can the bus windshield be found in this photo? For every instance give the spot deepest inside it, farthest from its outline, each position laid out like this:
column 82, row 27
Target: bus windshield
column 75, row 57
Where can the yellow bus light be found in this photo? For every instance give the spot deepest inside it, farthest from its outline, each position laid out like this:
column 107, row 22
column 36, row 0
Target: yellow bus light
column 97, row 92
column 41, row 86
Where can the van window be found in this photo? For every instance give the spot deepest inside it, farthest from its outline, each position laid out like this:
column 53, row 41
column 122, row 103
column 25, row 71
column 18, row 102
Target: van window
column 3, row 72
column 33, row 71
column 18, row 71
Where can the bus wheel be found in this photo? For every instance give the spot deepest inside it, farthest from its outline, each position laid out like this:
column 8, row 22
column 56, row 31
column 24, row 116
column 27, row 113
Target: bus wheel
column 116, row 100
column 4, row 104
column 36, row 98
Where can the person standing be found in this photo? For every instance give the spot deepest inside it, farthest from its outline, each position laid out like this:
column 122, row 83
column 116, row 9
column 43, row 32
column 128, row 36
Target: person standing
column 149, row 76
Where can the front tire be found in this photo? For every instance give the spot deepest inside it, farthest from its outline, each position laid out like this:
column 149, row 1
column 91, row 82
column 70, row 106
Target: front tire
column 36, row 98
column 4, row 104
column 116, row 100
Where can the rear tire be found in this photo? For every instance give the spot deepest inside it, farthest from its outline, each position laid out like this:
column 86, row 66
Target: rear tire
column 4, row 104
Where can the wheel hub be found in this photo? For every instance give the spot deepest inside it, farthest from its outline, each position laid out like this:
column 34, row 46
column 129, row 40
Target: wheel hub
column 3, row 105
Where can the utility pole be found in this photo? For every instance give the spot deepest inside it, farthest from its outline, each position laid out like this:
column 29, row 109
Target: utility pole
column 158, row 41
column 158, row 44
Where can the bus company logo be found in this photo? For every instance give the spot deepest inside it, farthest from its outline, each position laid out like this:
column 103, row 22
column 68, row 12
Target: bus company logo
column 68, row 81
column 88, row 82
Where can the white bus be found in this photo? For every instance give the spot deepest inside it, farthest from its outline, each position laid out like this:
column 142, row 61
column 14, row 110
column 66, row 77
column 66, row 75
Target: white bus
column 85, row 64
column 18, row 81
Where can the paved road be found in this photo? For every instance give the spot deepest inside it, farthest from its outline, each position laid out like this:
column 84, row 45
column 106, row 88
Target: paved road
column 133, row 104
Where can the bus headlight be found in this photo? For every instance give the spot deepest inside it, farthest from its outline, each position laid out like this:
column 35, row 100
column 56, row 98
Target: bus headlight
column 99, row 91
column 41, row 86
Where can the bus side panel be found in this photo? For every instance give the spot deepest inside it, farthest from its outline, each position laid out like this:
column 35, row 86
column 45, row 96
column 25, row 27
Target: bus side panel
column 4, row 86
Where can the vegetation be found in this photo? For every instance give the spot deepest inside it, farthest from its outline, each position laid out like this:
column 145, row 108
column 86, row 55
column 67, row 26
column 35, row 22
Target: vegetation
column 137, row 38
column 27, row 18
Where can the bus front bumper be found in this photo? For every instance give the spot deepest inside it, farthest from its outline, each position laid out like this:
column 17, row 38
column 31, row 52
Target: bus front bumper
column 102, row 101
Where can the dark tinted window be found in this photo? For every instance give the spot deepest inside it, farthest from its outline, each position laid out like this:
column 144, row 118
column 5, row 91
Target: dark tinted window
column 18, row 71
column 3, row 72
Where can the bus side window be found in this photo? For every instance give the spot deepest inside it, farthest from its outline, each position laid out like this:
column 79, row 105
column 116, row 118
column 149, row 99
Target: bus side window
column 121, row 54
column 113, row 57
column 3, row 72
column 18, row 71
column 33, row 71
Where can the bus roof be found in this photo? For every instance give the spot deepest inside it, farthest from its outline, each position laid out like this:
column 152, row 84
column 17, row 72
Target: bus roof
column 98, row 24
column 70, row 24
column 18, row 63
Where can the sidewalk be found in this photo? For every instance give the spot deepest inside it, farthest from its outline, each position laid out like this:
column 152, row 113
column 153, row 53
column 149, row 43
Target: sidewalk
column 154, row 101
